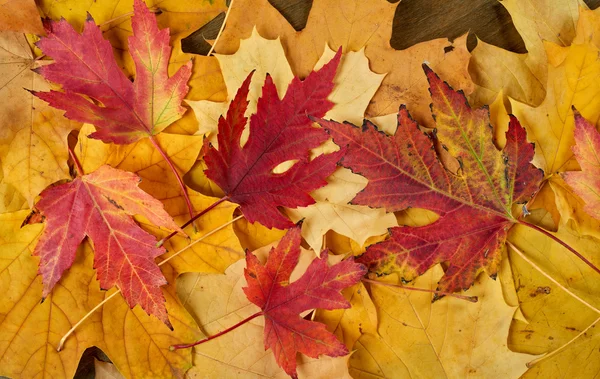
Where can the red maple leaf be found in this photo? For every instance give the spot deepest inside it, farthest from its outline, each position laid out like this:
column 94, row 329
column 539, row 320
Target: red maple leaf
column 475, row 205
column 286, row 333
column 100, row 206
column 96, row 91
column 586, row 183
column 280, row 131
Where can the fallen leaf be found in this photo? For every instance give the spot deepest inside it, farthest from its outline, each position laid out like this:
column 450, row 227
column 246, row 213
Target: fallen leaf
column 354, row 25
column 215, row 252
column 239, row 353
column 30, row 330
column 281, row 302
column 572, row 74
column 586, row 184
column 246, row 174
column 331, row 211
column 99, row 205
column 129, row 111
column 549, row 316
column 20, row 16
column 449, row 338
column 404, row 171
column 523, row 76
column 33, row 136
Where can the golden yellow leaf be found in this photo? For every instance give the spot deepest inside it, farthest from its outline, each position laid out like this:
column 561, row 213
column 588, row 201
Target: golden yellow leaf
column 30, row 330
column 349, row 324
column 240, row 353
column 33, row 136
column 10, row 199
column 450, row 338
column 355, row 25
column 255, row 236
column 550, row 316
column 523, row 76
column 572, row 83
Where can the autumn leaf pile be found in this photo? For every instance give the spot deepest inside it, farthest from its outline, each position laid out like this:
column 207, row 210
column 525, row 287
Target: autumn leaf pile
column 311, row 203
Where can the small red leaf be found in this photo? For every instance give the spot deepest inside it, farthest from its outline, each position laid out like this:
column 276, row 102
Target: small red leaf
column 100, row 206
column 280, row 131
column 86, row 69
column 286, row 333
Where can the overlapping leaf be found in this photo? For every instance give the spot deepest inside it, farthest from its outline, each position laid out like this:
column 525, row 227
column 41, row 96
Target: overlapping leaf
column 474, row 206
column 586, row 183
column 20, row 16
column 99, row 205
column 355, row 25
column 85, row 68
column 280, row 131
column 282, row 302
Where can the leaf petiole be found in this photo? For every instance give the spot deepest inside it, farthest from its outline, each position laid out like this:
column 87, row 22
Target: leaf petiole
column 472, row 299
column 177, row 176
column 76, row 161
column 68, row 333
column 203, row 212
column 561, row 242
column 244, row 321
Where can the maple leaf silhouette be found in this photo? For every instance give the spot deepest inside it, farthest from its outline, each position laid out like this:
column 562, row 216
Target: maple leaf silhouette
column 475, row 205
column 280, row 131
column 286, row 333
column 96, row 91
column 100, row 206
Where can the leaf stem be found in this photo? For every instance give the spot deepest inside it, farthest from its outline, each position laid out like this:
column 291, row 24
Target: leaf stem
column 203, row 212
column 76, row 161
column 212, row 48
column 177, row 176
column 565, row 245
column 244, row 321
column 64, row 338
column 200, row 239
column 472, row 299
column 67, row 334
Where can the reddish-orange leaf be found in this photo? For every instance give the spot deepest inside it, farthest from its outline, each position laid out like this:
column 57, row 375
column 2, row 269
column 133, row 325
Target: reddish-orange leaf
column 586, row 183
column 96, row 91
column 286, row 333
column 100, row 206
column 474, row 205
column 280, row 131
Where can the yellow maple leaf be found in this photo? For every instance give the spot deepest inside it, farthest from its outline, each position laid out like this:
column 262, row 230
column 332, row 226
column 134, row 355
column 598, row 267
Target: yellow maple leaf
column 560, row 310
column 450, row 338
column 33, row 136
column 523, row 76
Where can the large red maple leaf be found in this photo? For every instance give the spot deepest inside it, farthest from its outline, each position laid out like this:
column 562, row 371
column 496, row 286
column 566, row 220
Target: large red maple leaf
column 100, row 205
column 96, row 91
column 475, row 205
column 286, row 333
column 280, row 131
